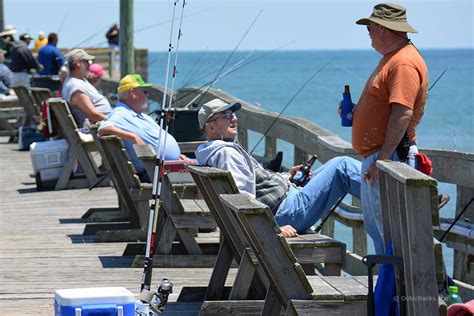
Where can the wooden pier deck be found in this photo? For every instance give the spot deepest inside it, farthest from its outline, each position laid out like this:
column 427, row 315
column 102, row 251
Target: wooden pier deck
column 42, row 248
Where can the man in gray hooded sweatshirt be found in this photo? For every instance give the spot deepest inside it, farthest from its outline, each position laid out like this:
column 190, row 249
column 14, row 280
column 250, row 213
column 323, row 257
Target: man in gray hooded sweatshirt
column 295, row 208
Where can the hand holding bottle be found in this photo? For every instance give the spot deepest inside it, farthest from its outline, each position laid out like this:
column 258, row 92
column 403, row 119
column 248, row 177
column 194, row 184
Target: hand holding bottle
column 302, row 173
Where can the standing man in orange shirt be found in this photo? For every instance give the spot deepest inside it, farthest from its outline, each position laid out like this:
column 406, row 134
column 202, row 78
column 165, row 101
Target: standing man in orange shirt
column 390, row 107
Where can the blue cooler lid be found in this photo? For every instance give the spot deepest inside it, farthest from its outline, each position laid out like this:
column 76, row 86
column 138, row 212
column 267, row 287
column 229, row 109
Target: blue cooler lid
column 95, row 295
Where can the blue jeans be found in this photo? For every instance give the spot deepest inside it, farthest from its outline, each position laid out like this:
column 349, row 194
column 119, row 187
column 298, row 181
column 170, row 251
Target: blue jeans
column 303, row 207
column 370, row 199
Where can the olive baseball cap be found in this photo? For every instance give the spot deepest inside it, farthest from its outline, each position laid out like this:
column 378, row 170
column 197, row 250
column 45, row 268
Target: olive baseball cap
column 131, row 82
column 391, row 16
column 215, row 106
column 78, row 54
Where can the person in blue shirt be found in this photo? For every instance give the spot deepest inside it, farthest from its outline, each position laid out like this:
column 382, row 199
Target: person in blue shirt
column 50, row 56
column 129, row 122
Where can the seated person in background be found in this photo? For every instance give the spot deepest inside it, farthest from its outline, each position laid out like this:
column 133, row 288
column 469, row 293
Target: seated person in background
column 6, row 79
column 295, row 208
column 129, row 122
column 95, row 74
column 83, row 98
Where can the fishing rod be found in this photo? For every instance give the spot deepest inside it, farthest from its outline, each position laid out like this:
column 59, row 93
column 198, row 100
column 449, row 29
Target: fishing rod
column 170, row 99
column 201, row 94
column 291, row 100
column 456, row 220
column 439, row 77
column 235, row 69
column 146, row 296
column 323, row 221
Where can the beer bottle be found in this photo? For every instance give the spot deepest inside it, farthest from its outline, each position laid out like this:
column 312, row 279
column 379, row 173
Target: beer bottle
column 346, row 107
column 301, row 176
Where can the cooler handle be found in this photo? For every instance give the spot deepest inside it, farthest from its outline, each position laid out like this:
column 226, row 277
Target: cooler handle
column 99, row 310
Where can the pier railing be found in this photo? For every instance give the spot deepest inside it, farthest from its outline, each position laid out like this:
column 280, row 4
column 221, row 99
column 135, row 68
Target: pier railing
column 306, row 138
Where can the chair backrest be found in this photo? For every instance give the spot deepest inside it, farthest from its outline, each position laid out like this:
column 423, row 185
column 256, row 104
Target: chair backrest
column 286, row 275
column 27, row 102
column 212, row 182
column 63, row 116
column 40, row 94
column 123, row 173
column 409, row 211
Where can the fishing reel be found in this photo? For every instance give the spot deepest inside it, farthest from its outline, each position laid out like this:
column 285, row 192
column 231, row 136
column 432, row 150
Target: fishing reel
column 154, row 303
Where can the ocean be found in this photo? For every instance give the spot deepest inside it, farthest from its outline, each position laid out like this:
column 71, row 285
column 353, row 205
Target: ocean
column 271, row 79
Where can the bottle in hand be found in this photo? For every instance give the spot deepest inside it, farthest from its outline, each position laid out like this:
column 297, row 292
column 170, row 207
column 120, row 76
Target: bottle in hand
column 301, row 176
column 346, row 107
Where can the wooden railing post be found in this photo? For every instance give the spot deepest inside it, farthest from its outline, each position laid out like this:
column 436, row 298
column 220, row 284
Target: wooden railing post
column 270, row 147
column 300, row 156
column 463, row 267
column 243, row 137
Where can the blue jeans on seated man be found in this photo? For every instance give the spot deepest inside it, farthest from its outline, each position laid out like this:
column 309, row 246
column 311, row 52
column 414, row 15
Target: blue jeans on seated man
column 370, row 199
column 303, row 207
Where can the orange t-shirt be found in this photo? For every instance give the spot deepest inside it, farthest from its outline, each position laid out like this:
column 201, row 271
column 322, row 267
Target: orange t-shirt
column 400, row 77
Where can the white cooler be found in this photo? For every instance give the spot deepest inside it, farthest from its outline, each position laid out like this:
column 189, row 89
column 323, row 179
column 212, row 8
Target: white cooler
column 48, row 158
column 103, row 301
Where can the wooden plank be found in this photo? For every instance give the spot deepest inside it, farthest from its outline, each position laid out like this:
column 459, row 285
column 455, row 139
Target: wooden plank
column 302, row 307
column 47, row 251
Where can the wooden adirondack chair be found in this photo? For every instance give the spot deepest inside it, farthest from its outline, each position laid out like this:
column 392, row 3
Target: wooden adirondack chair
column 179, row 219
column 40, row 94
column 409, row 202
column 81, row 147
column 27, row 102
column 311, row 249
column 11, row 117
column 290, row 288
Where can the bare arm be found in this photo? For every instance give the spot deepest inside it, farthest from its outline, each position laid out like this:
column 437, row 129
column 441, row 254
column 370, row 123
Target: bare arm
column 397, row 125
column 112, row 130
column 84, row 103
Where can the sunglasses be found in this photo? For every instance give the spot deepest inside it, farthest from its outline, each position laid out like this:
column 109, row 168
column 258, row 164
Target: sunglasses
column 227, row 116
column 368, row 28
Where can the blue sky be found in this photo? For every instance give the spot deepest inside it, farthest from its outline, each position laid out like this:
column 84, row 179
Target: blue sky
column 219, row 25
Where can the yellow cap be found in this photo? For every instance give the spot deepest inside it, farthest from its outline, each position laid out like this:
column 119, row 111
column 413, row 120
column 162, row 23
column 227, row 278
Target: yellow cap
column 131, row 82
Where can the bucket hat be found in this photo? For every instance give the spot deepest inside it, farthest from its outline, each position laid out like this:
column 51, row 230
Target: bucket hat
column 8, row 30
column 391, row 16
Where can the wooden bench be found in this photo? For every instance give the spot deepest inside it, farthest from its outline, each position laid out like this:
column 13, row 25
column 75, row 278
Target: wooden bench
column 81, row 149
column 409, row 202
column 310, row 249
column 289, row 287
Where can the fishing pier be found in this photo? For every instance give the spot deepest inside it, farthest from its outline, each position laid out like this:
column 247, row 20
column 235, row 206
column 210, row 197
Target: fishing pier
column 47, row 244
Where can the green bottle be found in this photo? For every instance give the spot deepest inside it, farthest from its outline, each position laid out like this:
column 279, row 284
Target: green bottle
column 452, row 296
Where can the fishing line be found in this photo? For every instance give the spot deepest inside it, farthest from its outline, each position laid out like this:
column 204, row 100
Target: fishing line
column 62, row 23
column 190, row 74
column 201, row 94
column 157, row 181
column 291, row 100
column 237, row 68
